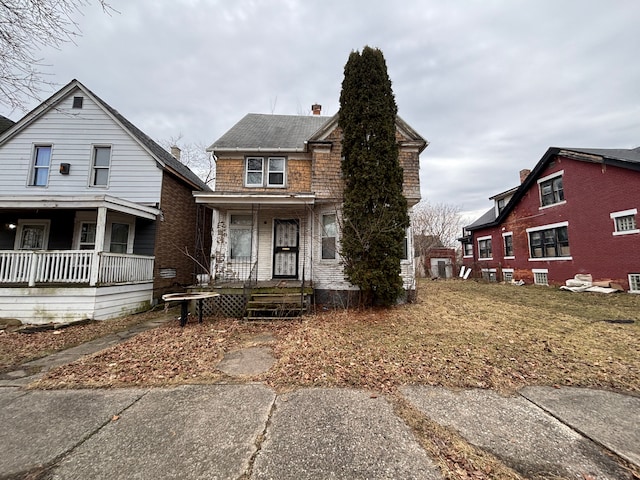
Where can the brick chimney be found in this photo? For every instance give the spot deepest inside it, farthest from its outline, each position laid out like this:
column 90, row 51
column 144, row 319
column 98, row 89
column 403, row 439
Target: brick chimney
column 524, row 174
column 175, row 151
column 316, row 109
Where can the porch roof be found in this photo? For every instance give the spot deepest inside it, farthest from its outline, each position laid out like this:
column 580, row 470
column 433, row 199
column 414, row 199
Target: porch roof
column 76, row 201
column 218, row 199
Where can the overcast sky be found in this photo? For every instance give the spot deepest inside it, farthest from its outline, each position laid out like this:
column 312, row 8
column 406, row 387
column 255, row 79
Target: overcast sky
column 490, row 84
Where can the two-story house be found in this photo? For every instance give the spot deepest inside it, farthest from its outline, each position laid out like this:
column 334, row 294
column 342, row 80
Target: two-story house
column 277, row 204
column 575, row 213
column 96, row 219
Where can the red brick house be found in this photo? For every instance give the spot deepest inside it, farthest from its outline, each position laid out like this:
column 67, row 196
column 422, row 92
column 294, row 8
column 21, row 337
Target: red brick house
column 95, row 217
column 575, row 213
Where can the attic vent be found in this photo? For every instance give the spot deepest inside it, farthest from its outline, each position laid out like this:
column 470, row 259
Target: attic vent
column 77, row 102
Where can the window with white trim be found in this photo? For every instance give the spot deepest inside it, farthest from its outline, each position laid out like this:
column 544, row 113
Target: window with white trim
column 240, row 232
column 625, row 222
column 101, row 164
column 119, row 239
column 489, row 274
column 270, row 172
column 484, row 248
column 32, row 235
column 540, row 276
column 508, row 244
column 41, row 166
column 549, row 242
column 507, row 275
column 329, row 233
column 551, row 189
column 87, row 239
column 634, row 282
column 275, row 177
column 467, row 248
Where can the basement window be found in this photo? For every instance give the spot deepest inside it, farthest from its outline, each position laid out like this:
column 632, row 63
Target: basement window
column 540, row 276
column 634, row 282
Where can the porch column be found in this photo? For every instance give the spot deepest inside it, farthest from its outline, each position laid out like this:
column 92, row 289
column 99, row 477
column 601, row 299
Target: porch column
column 101, row 226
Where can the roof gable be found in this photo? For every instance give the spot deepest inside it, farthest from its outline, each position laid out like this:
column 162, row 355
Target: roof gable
column 623, row 158
column 163, row 158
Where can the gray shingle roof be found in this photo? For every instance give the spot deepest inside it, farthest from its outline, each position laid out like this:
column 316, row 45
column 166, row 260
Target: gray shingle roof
column 625, row 155
column 270, row 132
column 5, row 123
column 157, row 150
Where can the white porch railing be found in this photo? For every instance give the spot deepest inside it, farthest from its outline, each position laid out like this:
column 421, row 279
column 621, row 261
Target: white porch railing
column 73, row 266
column 121, row 268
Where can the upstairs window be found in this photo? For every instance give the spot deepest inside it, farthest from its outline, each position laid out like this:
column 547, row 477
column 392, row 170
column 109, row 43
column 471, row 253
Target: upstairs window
column 551, row 190
column 276, row 172
column 467, row 249
column 261, row 172
column 41, row 164
column 329, row 232
column 100, row 166
column 484, row 248
column 625, row 222
column 501, row 204
column 253, row 176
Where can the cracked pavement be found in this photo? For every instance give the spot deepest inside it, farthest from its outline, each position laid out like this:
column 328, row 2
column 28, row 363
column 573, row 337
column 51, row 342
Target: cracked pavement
column 247, row 431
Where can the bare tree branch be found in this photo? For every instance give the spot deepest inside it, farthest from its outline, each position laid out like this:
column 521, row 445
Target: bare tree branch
column 194, row 156
column 26, row 27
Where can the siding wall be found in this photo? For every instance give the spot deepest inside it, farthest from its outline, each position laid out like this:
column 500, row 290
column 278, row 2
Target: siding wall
column 230, row 174
column 592, row 192
column 58, row 305
column 134, row 175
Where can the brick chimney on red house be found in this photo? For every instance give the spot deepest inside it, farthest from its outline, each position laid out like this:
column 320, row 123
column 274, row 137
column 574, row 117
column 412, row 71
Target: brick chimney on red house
column 316, row 109
column 524, row 174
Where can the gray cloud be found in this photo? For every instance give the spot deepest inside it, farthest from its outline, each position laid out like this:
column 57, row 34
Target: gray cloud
column 490, row 84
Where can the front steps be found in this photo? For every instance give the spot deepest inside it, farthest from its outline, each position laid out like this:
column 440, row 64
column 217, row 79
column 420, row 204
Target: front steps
column 273, row 305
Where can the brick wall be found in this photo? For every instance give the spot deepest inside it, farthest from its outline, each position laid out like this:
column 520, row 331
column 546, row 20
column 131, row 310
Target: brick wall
column 175, row 232
column 592, row 192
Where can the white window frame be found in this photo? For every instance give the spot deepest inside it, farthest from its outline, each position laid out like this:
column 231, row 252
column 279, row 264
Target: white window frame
column 546, row 227
column 540, row 271
column 488, row 272
column 634, row 283
column 464, row 255
column 323, row 236
column 78, row 240
column 550, row 177
column 505, row 272
column 247, row 171
column 633, row 212
column 94, row 168
column 283, row 172
column 251, row 229
column 479, row 239
column 22, row 223
column 504, row 245
column 35, row 168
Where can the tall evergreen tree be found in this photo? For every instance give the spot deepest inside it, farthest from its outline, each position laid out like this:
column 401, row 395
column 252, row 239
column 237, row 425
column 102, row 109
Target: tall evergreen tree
column 375, row 215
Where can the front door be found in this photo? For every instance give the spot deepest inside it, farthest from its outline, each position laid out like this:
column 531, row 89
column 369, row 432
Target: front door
column 286, row 236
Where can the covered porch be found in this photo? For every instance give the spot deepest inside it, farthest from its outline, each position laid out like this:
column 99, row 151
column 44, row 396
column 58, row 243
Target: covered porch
column 71, row 258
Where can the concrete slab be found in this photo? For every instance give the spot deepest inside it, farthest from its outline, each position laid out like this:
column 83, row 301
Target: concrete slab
column 40, row 426
column 517, row 431
column 608, row 418
column 247, row 361
column 9, row 394
column 339, row 434
column 189, row 432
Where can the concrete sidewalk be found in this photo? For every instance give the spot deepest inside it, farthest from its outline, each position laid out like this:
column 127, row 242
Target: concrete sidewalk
column 247, row 431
